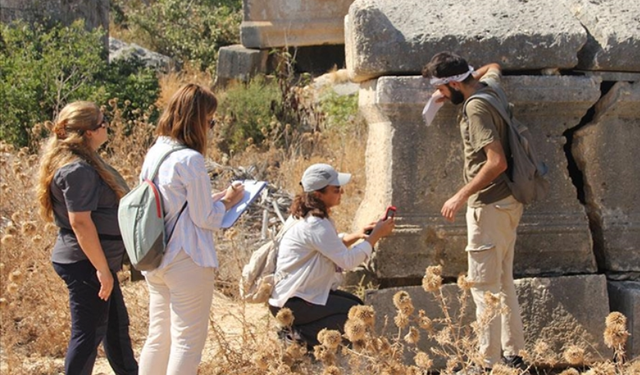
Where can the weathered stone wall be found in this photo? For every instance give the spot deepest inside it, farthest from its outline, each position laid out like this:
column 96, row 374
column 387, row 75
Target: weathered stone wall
column 552, row 309
column 286, row 23
column 418, row 168
column 585, row 118
column 312, row 30
column 602, row 150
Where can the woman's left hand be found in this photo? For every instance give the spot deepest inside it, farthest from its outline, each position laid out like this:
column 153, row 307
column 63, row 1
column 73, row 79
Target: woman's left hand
column 106, row 284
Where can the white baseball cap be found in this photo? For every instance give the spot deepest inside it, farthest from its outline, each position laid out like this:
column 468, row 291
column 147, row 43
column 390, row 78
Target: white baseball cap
column 318, row 176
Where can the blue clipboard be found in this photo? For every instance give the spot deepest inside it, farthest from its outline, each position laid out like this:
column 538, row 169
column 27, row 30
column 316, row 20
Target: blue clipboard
column 252, row 189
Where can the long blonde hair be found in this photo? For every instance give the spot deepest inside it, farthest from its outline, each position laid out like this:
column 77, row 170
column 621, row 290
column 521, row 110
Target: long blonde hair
column 186, row 117
column 68, row 144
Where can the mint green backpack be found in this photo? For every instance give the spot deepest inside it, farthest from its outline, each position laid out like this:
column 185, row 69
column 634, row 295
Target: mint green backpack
column 141, row 221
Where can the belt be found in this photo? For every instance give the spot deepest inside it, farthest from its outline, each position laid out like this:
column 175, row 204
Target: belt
column 102, row 237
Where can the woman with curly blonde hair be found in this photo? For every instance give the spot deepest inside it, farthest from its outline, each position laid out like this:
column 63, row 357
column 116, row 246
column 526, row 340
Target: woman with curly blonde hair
column 80, row 192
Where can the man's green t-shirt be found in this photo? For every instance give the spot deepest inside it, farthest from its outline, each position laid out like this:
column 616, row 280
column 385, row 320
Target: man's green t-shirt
column 482, row 126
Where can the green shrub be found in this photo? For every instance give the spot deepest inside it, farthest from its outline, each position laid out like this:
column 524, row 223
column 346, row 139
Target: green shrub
column 44, row 68
column 248, row 113
column 192, row 33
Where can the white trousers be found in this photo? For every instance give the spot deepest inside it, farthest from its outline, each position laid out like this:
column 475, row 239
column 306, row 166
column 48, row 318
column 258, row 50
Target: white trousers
column 180, row 298
column 490, row 250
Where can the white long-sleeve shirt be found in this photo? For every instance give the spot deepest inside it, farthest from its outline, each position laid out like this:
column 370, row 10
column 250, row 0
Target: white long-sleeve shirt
column 310, row 254
column 183, row 177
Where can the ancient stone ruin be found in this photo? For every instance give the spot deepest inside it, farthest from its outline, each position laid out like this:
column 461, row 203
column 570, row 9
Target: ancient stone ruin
column 572, row 70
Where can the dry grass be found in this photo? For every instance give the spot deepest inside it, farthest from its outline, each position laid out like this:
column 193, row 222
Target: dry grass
column 34, row 317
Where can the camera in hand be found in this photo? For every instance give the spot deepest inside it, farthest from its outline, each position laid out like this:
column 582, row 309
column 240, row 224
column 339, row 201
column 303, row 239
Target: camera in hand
column 391, row 212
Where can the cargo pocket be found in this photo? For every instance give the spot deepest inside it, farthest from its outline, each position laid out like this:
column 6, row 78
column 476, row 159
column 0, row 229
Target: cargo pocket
column 481, row 249
column 483, row 266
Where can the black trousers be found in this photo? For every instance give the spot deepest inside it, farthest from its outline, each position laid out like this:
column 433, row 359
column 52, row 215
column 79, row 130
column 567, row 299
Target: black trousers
column 94, row 320
column 310, row 319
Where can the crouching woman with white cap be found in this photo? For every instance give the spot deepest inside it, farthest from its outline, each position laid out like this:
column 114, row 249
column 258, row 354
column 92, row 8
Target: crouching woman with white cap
column 312, row 256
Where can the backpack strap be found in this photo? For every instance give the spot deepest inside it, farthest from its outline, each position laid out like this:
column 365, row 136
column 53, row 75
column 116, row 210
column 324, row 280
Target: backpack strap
column 156, row 167
column 153, row 175
column 497, row 103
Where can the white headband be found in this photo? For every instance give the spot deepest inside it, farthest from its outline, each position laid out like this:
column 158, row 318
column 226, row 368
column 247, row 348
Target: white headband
column 436, row 81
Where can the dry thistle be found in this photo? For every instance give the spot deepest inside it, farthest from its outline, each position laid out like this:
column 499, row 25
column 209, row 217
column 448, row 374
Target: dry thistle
column 324, row 355
column 500, row 369
column 36, row 239
column 413, row 336
column 264, row 291
column 7, row 239
column 11, row 229
column 3, row 303
column 231, row 233
column 413, row 370
column 574, row 355
column 464, row 283
column 614, row 318
column 331, row 370
column 401, row 320
column 423, row 321
column 330, row 338
column 602, row 368
column 358, row 345
column 452, row 363
column 16, row 276
column 28, row 228
column 444, row 337
column 492, row 299
column 432, row 280
column 296, row 351
column 363, row 312
column 570, row 371
column 541, row 348
column 402, row 300
column 285, row 317
column 261, row 360
column 423, row 360
column 615, row 336
column 354, row 330
column 12, row 288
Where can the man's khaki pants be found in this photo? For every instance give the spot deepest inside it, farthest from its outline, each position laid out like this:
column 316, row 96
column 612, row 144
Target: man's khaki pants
column 491, row 240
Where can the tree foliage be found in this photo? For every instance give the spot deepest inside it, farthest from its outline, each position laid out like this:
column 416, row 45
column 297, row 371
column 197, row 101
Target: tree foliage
column 43, row 68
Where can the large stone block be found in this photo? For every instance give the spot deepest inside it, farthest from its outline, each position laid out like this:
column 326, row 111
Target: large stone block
column 603, row 150
column 239, row 63
column 399, row 37
column 614, row 34
column 417, row 168
column 286, row 23
column 559, row 311
column 625, row 298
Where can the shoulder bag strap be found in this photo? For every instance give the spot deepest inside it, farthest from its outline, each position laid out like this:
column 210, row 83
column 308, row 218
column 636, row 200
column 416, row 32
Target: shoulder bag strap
column 153, row 175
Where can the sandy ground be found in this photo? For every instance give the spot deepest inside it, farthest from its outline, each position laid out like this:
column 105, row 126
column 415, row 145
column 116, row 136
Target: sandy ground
column 226, row 312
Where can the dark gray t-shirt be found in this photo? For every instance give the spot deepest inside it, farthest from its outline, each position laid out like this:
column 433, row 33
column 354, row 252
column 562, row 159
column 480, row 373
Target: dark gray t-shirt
column 77, row 187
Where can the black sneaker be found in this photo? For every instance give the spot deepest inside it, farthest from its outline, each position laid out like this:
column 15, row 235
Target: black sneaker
column 289, row 336
column 516, row 361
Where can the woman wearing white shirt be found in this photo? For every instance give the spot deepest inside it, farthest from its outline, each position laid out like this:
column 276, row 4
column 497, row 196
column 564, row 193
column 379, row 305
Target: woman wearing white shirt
column 181, row 288
column 312, row 256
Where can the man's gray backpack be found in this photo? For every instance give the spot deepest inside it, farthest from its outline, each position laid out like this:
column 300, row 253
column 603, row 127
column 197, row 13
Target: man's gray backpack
column 526, row 179
column 259, row 275
column 141, row 221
